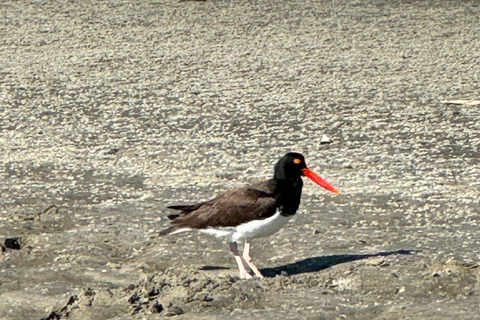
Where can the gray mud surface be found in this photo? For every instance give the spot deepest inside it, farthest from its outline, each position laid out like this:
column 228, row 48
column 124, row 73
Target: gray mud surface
column 112, row 110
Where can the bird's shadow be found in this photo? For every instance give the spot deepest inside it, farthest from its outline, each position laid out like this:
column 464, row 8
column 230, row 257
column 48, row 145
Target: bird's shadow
column 319, row 263
column 212, row 268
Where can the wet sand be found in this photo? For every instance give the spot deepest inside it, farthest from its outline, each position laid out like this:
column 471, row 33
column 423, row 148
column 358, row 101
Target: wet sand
column 110, row 111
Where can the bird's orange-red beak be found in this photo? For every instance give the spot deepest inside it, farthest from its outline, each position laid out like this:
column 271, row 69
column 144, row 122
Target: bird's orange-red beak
column 319, row 180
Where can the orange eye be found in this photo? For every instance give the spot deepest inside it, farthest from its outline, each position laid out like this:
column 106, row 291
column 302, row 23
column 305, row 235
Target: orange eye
column 297, row 161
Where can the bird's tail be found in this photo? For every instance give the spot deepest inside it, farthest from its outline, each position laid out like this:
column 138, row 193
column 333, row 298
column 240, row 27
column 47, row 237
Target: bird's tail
column 168, row 231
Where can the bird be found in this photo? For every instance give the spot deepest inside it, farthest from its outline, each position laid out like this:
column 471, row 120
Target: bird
column 255, row 211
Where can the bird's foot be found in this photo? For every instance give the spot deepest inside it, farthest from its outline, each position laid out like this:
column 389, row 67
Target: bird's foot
column 248, row 261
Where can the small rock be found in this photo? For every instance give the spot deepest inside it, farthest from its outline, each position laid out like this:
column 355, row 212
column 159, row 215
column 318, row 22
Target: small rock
column 52, row 316
column 11, row 243
column 112, row 151
column 157, row 308
column 174, row 311
column 325, row 140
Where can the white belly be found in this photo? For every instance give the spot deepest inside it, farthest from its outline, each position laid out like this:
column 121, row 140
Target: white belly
column 252, row 229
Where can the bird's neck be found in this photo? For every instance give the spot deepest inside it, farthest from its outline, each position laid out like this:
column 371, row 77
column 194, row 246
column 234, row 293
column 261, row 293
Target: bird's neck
column 288, row 194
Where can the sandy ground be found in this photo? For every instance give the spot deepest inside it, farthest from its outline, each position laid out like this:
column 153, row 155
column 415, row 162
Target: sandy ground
column 111, row 110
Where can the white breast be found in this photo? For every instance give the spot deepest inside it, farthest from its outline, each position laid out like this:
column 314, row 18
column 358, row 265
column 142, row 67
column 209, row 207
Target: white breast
column 252, row 229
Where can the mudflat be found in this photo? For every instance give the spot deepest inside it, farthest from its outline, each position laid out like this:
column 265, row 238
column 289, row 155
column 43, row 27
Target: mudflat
column 112, row 110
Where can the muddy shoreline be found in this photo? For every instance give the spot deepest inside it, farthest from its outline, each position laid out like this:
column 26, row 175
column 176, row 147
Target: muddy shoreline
column 110, row 111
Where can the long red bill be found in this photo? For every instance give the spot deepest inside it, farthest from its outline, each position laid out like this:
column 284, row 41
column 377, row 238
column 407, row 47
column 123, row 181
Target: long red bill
column 319, row 180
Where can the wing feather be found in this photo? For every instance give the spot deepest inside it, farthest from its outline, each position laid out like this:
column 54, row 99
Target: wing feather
column 229, row 209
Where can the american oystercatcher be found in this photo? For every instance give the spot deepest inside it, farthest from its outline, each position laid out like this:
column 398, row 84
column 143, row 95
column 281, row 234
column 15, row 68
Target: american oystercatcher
column 250, row 212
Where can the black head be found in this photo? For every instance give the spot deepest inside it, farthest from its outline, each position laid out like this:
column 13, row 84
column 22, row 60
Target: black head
column 290, row 167
column 288, row 181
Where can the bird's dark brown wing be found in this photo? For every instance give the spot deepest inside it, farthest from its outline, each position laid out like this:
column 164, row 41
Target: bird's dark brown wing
column 229, row 209
column 186, row 209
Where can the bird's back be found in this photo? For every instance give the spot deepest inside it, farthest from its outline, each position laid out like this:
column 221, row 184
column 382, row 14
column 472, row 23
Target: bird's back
column 229, row 209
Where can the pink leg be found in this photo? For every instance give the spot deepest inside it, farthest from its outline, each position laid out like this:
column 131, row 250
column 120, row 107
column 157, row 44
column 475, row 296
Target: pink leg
column 248, row 259
column 241, row 263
